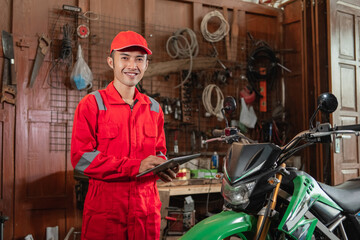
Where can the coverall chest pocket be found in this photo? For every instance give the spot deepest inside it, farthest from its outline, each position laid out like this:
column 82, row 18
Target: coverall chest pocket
column 107, row 132
column 149, row 141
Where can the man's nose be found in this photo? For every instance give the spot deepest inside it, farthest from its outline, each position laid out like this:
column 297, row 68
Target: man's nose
column 132, row 63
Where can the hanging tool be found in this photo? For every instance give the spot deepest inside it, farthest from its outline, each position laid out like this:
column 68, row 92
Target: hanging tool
column 3, row 219
column 8, row 91
column 83, row 31
column 8, row 48
column 42, row 49
column 228, row 72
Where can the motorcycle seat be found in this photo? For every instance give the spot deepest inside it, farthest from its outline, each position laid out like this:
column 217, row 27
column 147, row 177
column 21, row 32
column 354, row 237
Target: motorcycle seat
column 346, row 194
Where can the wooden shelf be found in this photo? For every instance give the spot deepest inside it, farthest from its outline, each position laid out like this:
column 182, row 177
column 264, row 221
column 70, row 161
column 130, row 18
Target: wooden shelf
column 191, row 186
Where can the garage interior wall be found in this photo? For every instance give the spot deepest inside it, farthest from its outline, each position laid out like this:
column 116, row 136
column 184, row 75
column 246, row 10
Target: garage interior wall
column 37, row 187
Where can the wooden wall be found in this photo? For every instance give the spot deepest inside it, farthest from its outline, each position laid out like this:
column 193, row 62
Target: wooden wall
column 38, row 185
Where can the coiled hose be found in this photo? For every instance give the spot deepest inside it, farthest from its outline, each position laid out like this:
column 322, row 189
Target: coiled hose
column 177, row 49
column 220, row 33
column 206, row 99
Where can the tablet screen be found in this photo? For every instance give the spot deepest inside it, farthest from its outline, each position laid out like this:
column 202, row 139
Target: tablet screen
column 170, row 164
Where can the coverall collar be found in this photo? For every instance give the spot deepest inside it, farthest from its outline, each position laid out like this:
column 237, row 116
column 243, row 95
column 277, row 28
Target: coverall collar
column 114, row 96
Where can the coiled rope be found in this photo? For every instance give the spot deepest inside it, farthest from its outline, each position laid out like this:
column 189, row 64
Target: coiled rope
column 220, row 33
column 206, row 99
column 177, row 49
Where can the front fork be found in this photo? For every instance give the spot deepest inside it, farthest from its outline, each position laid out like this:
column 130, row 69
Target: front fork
column 263, row 223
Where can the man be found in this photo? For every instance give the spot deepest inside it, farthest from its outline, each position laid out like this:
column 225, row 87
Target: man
column 117, row 134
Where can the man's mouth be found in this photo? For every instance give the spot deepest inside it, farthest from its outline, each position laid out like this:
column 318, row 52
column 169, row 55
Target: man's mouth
column 131, row 74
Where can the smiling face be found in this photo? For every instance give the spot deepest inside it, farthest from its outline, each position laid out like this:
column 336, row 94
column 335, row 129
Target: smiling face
column 129, row 66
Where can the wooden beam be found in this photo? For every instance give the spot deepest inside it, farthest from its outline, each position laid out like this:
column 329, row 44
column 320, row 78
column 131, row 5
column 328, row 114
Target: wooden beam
column 175, row 66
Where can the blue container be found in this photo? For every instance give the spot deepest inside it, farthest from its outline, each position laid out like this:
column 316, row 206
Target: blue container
column 215, row 161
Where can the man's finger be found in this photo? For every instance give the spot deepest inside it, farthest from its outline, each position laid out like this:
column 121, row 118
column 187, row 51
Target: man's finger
column 163, row 176
column 176, row 168
column 170, row 173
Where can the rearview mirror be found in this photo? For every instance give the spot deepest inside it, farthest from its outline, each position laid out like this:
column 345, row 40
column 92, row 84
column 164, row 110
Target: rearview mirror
column 327, row 102
column 229, row 105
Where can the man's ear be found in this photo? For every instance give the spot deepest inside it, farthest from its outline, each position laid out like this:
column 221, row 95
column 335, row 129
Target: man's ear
column 110, row 62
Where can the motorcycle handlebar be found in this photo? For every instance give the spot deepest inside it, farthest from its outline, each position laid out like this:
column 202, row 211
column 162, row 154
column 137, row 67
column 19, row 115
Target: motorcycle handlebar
column 218, row 132
column 355, row 127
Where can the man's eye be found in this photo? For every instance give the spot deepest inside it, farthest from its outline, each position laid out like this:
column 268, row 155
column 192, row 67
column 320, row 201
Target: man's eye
column 124, row 58
column 140, row 59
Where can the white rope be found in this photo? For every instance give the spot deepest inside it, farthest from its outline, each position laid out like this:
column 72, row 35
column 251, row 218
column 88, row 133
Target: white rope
column 220, row 33
column 206, row 99
column 176, row 49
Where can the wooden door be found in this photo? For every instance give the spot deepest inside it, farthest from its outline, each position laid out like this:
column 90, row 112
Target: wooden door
column 7, row 132
column 344, row 37
column 44, row 185
column 7, row 123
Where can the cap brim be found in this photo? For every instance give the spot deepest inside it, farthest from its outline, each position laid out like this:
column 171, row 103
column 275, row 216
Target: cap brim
column 147, row 50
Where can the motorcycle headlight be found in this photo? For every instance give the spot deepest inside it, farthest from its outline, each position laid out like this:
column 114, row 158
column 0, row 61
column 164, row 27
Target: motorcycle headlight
column 237, row 195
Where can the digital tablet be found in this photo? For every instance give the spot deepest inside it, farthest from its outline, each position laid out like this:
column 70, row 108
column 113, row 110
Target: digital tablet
column 170, row 164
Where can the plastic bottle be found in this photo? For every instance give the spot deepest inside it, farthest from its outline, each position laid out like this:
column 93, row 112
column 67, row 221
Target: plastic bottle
column 176, row 147
column 215, row 161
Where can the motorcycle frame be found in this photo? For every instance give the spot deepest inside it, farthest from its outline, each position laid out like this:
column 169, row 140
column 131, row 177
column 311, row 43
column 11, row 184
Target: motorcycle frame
column 297, row 221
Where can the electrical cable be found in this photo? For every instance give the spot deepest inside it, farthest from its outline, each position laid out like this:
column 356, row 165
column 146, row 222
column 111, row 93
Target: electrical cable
column 65, row 56
column 220, row 33
column 261, row 55
column 177, row 49
column 206, row 99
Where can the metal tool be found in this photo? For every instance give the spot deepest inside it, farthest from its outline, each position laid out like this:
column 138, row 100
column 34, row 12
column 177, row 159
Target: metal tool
column 8, row 48
column 3, row 219
column 8, row 92
column 43, row 47
column 83, row 31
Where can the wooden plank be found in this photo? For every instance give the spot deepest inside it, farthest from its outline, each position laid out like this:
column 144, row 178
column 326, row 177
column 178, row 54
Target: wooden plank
column 246, row 6
column 227, row 37
column 192, row 189
column 149, row 16
column 234, row 35
column 192, row 181
column 197, row 16
column 175, row 66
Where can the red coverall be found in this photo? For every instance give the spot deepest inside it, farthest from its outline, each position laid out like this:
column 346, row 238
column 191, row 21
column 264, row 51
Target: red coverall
column 109, row 141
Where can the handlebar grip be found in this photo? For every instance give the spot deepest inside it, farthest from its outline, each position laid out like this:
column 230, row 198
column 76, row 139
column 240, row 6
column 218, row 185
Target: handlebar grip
column 355, row 127
column 218, row 132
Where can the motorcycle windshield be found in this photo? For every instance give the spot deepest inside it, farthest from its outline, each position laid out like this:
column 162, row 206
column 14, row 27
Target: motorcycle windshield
column 244, row 160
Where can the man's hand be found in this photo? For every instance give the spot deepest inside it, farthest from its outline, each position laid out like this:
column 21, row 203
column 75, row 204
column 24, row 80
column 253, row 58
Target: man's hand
column 169, row 174
column 150, row 162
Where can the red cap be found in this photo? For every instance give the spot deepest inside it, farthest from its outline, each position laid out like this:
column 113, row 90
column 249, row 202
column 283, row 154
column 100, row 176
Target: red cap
column 129, row 39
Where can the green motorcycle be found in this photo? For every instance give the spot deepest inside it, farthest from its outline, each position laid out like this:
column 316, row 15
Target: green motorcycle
column 264, row 199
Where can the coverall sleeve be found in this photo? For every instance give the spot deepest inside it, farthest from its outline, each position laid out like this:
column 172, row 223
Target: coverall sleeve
column 85, row 157
column 161, row 140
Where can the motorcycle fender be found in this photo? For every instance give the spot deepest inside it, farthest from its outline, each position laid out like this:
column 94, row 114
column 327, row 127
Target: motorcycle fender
column 221, row 225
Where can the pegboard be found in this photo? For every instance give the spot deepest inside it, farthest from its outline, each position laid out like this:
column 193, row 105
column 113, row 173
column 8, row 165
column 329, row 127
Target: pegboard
column 95, row 47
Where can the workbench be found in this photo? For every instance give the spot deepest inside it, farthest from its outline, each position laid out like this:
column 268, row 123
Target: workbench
column 184, row 187
column 191, row 186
